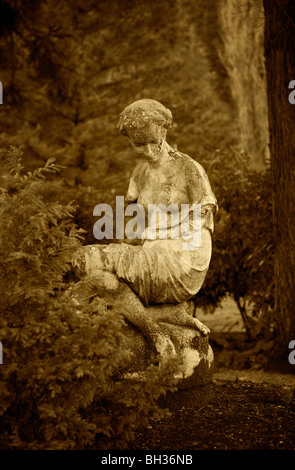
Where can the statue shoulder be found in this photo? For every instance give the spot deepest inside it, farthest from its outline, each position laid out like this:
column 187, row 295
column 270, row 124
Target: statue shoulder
column 188, row 164
column 198, row 184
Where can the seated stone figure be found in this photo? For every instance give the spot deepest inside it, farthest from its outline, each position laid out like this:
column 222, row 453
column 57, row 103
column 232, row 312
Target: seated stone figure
column 153, row 281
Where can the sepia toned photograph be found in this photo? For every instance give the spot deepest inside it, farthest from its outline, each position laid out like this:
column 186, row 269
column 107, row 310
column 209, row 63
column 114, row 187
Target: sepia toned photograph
column 147, row 229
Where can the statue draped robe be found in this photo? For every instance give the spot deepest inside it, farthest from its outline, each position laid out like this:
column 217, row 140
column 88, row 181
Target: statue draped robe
column 161, row 271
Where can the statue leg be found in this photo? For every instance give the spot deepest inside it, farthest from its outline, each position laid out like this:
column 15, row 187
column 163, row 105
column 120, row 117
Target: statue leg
column 98, row 280
column 178, row 314
column 115, row 291
column 140, row 316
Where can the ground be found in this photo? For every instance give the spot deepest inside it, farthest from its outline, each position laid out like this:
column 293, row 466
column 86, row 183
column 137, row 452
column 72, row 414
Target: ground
column 240, row 415
column 248, row 408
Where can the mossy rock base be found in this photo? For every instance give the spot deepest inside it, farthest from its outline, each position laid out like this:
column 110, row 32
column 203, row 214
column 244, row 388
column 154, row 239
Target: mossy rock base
column 190, row 345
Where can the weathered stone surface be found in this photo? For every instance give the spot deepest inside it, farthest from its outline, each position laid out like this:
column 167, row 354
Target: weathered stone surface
column 151, row 283
column 191, row 346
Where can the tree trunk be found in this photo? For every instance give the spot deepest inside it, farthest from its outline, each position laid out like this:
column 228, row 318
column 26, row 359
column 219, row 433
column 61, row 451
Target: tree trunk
column 250, row 323
column 280, row 70
column 241, row 26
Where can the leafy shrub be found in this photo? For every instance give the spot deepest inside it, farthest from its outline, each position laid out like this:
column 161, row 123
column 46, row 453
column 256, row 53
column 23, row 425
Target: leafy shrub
column 85, row 199
column 243, row 247
column 57, row 388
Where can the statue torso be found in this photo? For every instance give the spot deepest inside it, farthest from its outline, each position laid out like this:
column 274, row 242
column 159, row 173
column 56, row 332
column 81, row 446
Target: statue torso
column 168, row 183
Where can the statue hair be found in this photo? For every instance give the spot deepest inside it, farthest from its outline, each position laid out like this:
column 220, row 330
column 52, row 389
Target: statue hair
column 143, row 112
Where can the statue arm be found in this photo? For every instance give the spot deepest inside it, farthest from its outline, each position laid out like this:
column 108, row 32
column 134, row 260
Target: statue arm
column 200, row 192
column 199, row 188
column 132, row 193
column 134, row 184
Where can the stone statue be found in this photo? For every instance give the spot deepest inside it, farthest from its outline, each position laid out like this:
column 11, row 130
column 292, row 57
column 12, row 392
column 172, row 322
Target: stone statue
column 154, row 281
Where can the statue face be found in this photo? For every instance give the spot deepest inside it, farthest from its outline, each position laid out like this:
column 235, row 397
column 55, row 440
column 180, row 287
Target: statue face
column 148, row 142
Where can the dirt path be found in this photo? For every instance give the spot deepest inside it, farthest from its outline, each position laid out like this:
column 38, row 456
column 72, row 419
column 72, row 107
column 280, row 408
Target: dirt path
column 256, row 376
column 227, row 319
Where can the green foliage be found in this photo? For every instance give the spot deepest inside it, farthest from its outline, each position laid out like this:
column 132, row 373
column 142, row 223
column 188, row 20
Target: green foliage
column 243, row 246
column 85, row 199
column 75, row 65
column 56, row 383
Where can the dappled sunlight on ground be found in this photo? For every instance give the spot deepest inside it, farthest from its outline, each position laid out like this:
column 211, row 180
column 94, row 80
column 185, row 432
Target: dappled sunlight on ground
column 227, row 318
column 231, row 362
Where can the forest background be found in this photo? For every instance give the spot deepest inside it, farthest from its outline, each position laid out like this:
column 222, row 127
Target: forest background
column 69, row 68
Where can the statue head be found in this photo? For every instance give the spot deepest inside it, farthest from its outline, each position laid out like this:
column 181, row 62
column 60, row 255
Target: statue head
column 145, row 122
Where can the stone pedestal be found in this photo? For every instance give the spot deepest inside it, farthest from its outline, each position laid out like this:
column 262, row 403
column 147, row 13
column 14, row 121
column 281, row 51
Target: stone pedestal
column 187, row 337
column 192, row 347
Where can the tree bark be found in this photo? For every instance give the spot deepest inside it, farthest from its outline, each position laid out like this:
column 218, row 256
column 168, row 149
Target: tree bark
column 280, row 70
column 241, row 27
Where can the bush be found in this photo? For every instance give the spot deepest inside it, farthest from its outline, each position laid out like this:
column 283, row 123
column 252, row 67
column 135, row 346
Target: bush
column 57, row 388
column 243, row 246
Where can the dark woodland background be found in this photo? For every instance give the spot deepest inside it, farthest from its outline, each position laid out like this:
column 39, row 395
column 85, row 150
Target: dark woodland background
column 70, row 68
column 222, row 66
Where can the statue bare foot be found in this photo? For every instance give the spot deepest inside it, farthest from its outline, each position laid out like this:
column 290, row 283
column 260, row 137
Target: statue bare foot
column 204, row 330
